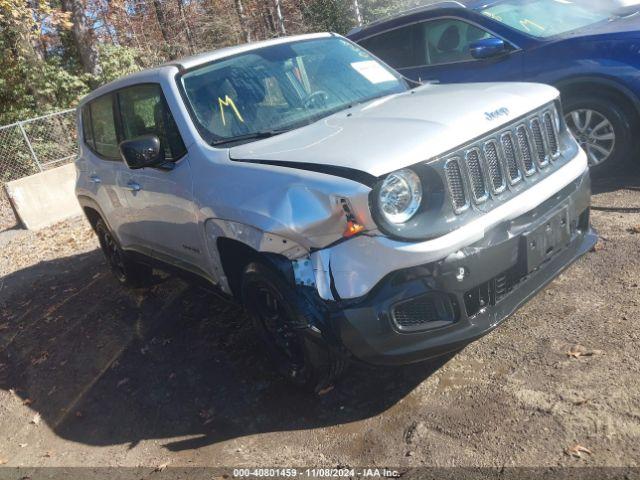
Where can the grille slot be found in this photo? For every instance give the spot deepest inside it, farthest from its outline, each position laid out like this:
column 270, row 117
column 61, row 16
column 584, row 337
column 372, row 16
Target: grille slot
column 525, row 150
column 476, row 177
column 538, row 141
column 552, row 138
column 432, row 310
column 491, row 155
column 456, row 184
column 510, row 158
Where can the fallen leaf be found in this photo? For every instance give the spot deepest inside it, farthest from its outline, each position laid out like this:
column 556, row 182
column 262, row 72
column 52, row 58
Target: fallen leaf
column 36, row 419
column 325, row 390
column 577, row 451
column 42, row 358
column 577, row 351
column 598, row 246
column 122, row 382
column 161, row 468
column 582, row 401
column 635, row 230
column 27, row 401
column 48, row 454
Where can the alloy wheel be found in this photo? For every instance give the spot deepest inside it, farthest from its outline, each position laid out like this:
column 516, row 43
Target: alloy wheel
column 114, row 256
column 594, row 132
column 274, row 317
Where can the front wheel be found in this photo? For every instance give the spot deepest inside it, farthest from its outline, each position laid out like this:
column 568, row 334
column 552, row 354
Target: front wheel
column 282, row 321
column 602, row 129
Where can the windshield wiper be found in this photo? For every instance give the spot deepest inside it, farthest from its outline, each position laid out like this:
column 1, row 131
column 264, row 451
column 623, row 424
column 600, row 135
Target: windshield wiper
column 248, row 136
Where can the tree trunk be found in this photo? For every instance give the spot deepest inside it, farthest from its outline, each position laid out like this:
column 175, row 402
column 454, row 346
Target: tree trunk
column 280, row 17
column 187, row 29
column 164, row 29
column 83, row 37
column 242, row 18
column 356, row 7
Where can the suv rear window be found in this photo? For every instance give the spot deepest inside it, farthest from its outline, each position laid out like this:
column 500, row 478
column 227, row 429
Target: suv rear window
column 104, row 129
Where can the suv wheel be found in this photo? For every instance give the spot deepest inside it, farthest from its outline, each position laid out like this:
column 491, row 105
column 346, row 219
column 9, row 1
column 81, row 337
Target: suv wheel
column 280, row 319
column 126, row 271
column 602, row 129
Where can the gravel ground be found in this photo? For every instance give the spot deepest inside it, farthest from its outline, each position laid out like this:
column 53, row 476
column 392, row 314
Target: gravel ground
column 93, row 374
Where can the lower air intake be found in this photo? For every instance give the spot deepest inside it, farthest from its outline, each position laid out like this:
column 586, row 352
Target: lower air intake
column 432, row 310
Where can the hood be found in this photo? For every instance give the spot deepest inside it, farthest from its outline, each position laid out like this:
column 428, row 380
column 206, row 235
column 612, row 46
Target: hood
column 403, row 129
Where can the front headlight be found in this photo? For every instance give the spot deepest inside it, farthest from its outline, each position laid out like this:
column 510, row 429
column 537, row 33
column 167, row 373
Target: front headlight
column 400, row 196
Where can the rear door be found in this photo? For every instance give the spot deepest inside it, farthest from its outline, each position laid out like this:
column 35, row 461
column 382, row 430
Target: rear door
column 160, row 199
column 104, row 169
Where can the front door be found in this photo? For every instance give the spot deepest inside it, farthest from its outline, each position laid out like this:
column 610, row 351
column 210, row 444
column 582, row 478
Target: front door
column 160, row 199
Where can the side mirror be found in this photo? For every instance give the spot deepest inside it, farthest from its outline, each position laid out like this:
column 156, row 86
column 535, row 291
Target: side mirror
column 488, row 48
column 142, row 152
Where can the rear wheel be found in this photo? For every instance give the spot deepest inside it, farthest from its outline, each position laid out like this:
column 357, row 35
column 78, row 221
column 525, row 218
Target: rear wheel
column 602, row 128
column 126, row 271
column 282, row 321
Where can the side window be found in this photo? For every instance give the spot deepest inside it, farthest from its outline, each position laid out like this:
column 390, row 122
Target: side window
column 143, row 111
column 87, row 129
column 104, row 128
column 395, row 47
column 448, row 41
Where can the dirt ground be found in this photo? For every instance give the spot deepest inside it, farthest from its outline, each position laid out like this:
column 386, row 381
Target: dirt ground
column 92, row 374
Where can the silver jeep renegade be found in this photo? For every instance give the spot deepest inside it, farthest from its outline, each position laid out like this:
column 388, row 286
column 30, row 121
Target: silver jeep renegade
column 354, row 214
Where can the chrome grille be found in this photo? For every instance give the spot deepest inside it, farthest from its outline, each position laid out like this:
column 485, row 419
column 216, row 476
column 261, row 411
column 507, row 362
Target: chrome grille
column 538, row 141
column 495, row 164
column 510, row 157
column 494, row 167
column 456, row 184
column 525, row 150
column 552, row 137
column 476, row 178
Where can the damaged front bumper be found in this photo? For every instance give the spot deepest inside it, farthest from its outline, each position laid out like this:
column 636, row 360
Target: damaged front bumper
column 425, row 310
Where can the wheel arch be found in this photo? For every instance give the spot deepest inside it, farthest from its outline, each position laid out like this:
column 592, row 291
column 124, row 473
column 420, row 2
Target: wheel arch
column 628, row 101
column 235, row 255
column 92, row 211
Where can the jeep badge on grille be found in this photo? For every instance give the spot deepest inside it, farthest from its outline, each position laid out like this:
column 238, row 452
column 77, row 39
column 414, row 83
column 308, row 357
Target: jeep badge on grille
column 501, row 112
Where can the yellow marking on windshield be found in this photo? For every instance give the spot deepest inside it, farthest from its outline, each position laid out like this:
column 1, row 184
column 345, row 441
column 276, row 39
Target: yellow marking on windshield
column 526, row 22
column 228, row 102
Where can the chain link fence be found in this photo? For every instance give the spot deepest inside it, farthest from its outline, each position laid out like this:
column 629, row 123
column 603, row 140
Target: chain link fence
column 38, row 144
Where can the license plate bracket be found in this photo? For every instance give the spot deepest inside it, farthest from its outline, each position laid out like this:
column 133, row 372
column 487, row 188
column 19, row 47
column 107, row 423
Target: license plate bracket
column 544, row 242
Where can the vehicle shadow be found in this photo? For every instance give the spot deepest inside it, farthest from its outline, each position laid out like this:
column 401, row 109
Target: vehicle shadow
column 103, row 365
column 629, row 180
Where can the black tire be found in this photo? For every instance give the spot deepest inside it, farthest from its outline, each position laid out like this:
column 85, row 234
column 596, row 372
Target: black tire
column 610, row 109
column 126, row 271
column 282, row 318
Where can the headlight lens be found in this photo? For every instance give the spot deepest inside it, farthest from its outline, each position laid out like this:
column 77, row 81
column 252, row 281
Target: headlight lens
column 400, row 196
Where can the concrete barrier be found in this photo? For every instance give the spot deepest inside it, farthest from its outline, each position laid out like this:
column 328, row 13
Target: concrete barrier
column 45, row 198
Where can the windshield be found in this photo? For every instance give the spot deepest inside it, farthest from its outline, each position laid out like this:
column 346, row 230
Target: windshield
column 283, row 87
column 546, row 18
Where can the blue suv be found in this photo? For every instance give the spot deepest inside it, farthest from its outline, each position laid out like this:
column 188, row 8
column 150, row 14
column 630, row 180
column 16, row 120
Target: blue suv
column 591, row 53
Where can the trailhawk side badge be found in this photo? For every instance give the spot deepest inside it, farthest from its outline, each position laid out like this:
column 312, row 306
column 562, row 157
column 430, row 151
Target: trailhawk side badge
column 501, row 112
